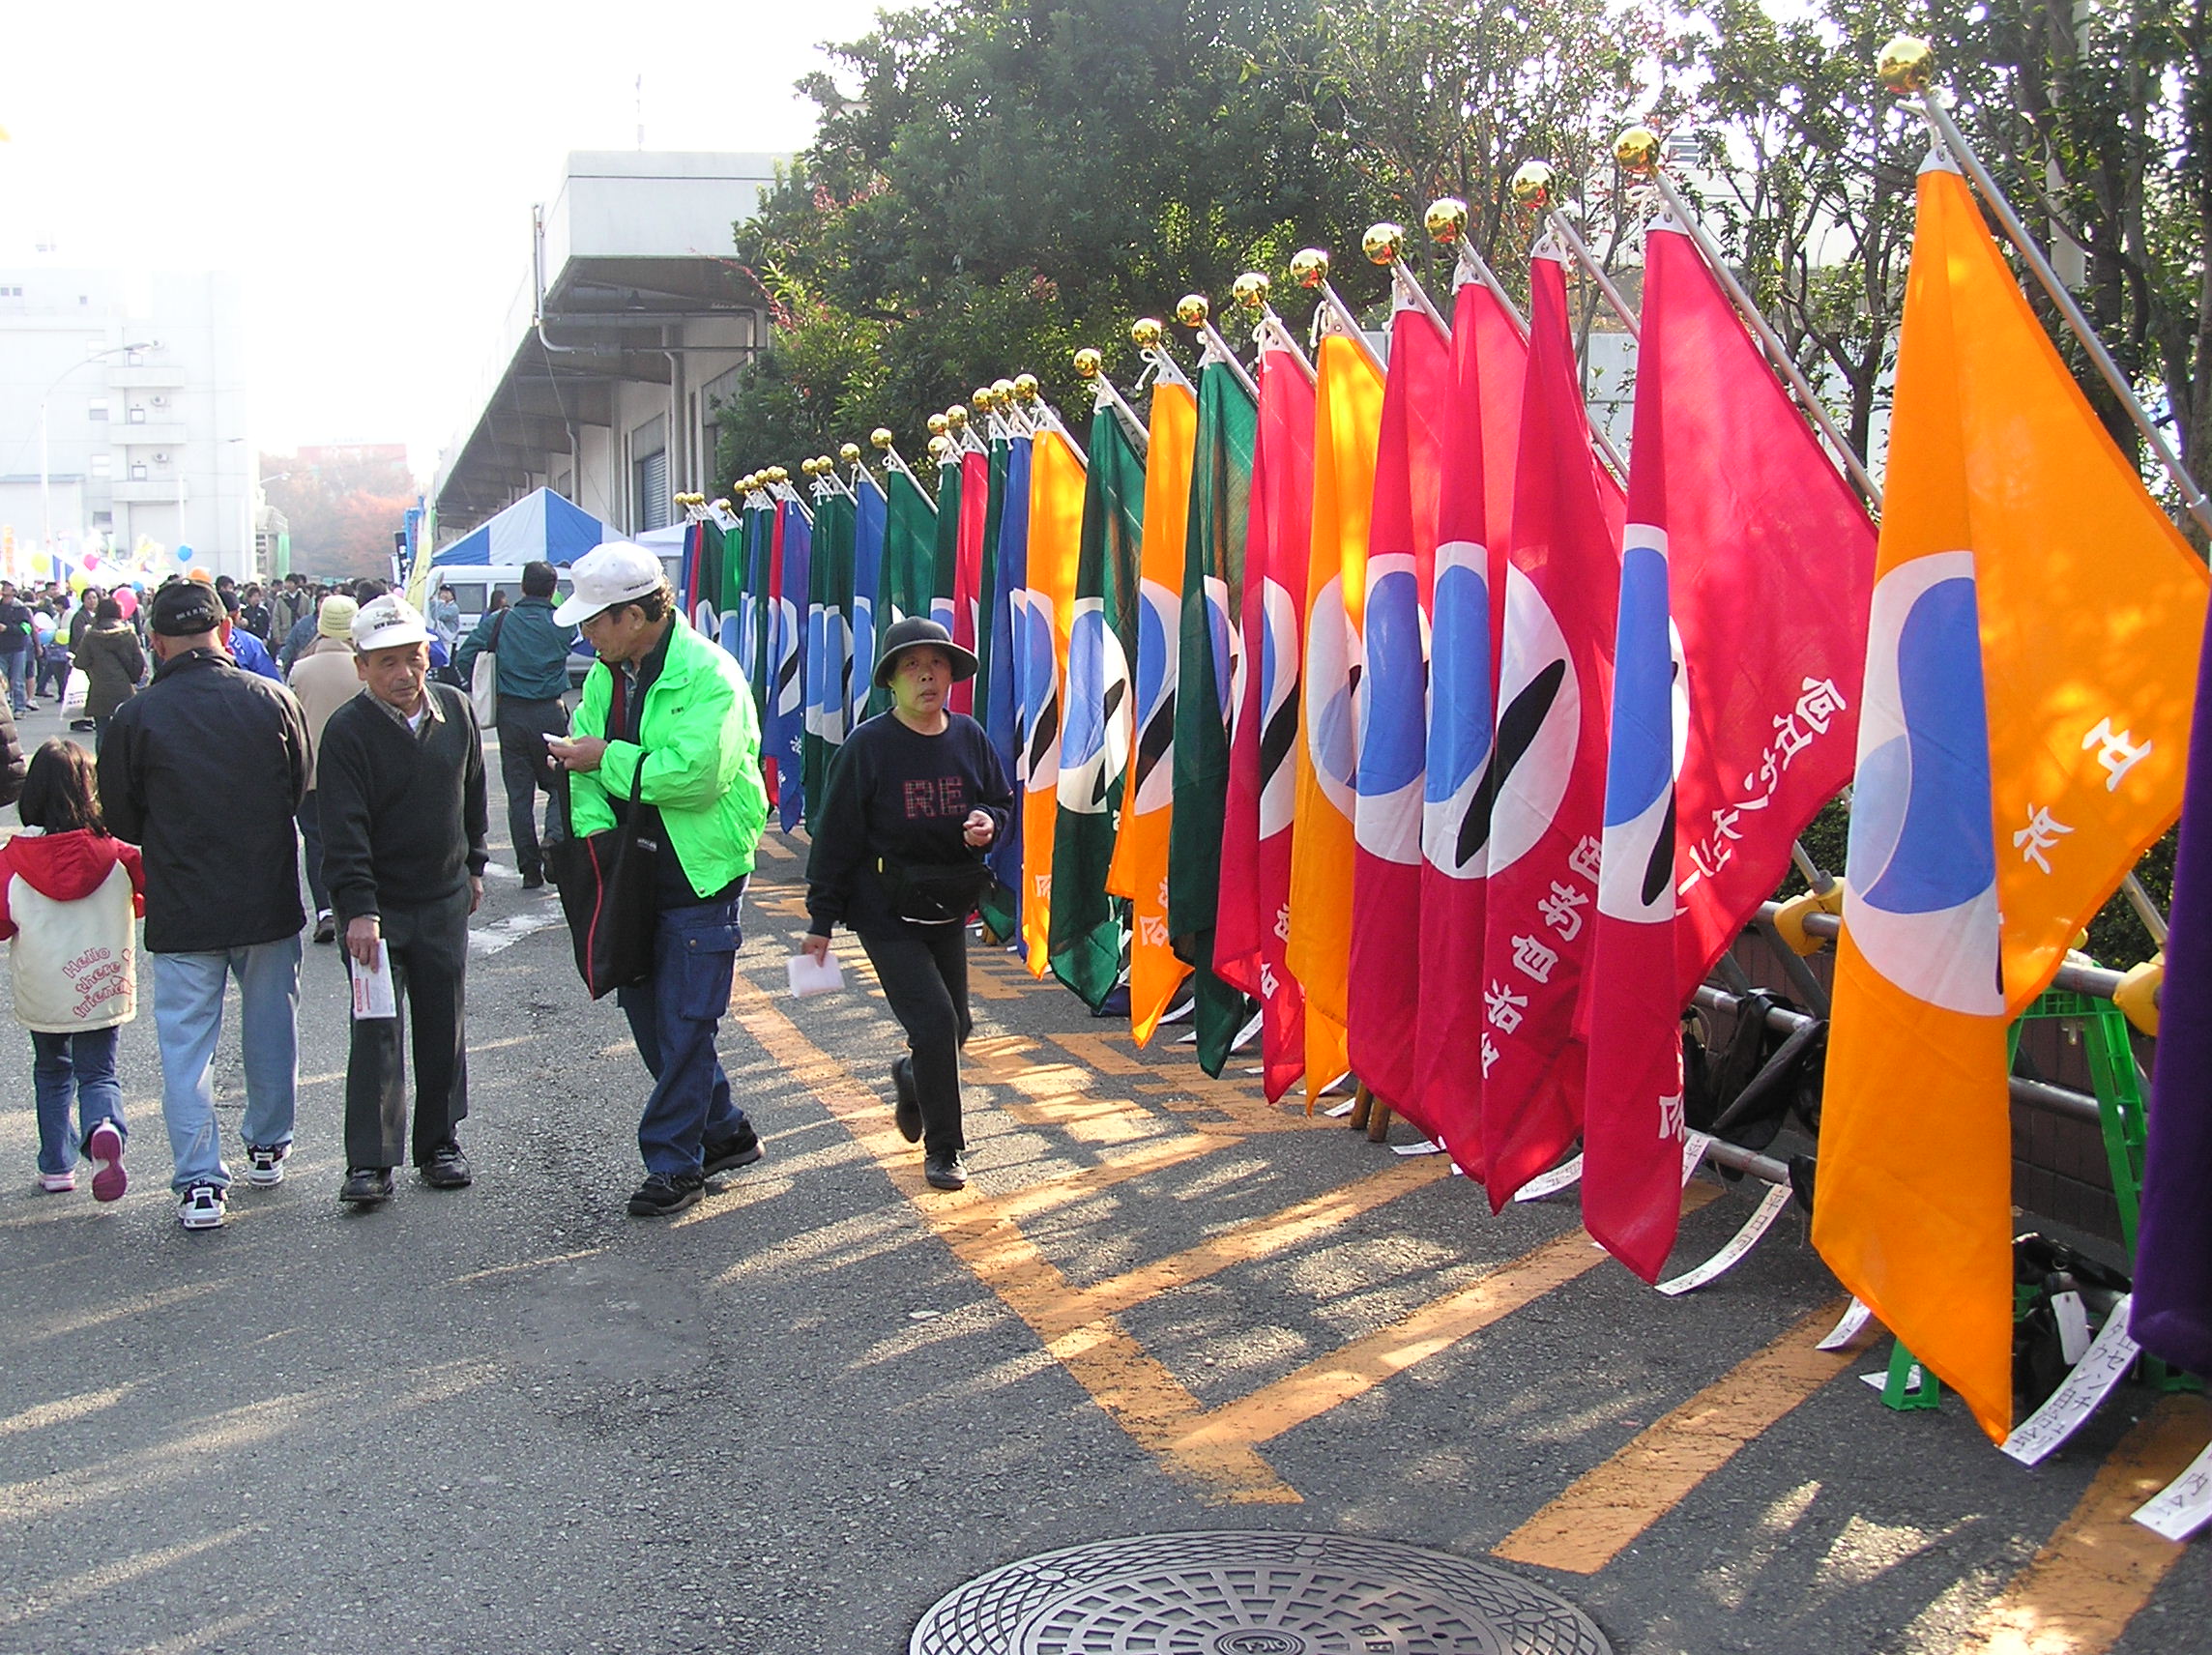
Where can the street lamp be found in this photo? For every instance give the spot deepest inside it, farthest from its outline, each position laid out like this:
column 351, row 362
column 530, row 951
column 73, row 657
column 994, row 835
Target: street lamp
column 46, row 477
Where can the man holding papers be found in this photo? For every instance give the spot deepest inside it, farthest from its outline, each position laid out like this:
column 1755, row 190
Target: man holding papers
column 401, row 782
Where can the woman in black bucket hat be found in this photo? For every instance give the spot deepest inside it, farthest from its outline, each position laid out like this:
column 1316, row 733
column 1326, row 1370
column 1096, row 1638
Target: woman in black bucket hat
column 915, row 797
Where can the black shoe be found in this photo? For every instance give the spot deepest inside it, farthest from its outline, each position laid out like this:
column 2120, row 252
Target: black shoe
column 741, row 1148
column 367, row 1186
column 534, row 879
column 446, row 1168
column 907, row 1111
column 326, row 927
column 665, row 1194
column 945, row 1171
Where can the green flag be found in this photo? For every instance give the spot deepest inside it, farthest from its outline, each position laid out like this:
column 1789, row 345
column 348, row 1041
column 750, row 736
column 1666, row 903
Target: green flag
column 1212, row 605
column 945, row 568
column 910, row 564
column 1089, row 932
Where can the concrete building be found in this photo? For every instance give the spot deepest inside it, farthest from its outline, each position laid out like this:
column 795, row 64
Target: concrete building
column 123, row 415
column 630, row 324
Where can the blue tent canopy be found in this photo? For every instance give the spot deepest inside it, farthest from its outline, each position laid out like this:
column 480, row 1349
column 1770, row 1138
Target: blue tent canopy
column 540, row 524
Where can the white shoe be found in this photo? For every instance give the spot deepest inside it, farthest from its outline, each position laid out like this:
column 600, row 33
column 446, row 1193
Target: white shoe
column 265, row 1164
column 203, row 1207
column 57, row 1184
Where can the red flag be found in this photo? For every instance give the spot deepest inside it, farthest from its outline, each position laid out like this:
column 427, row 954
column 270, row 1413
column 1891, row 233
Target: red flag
column 1742, row 534
column 968, row 565
column 1253, row 925
column 1562, row 582
column 1490, row 360
column 1383, row 985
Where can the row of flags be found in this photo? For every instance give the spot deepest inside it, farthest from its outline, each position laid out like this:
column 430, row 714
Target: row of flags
column 1357, row 691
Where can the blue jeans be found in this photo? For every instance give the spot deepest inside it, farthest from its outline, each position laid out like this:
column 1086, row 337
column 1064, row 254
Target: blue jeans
column 83, row 1063
column 673, row 1017
column 19, row 665
column 187, row 1016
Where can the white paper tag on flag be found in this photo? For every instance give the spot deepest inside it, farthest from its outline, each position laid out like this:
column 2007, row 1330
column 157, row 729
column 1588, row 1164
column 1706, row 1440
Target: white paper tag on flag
column 2092, row 1379
column 1856, row 1315
column 1693, row 1147
column 372, row 991
column 1559, row 1178
column 1761, row 1219
column 2185, row 1504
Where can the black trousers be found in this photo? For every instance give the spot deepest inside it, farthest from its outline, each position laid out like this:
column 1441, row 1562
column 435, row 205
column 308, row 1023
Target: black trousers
column 925, row 978
column 526, row 767
column 429, row 949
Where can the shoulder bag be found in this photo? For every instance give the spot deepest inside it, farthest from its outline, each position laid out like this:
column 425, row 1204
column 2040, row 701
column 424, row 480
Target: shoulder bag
column 608, row 888
column 483, row 676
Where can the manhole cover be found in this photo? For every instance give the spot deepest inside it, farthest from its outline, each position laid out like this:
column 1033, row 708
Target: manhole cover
column 1263, row 1593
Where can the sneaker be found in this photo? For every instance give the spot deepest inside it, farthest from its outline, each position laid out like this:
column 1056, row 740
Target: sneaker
column 663, row 1193
column 326, row 927
column 203, row 1207
column 945, row 1171
column 907, row 1111
column 265, row 1164
column 367, row 1186
column 534, row 879
column 447, row 1169
column 104, row 1150
column 741, row 1148
column 57, row 1184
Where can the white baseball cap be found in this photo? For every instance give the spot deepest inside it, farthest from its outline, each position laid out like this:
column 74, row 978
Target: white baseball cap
column 616, row 571
column 387, row 623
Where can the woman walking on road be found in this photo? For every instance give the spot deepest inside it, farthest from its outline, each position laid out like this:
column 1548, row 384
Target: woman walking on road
column 113, row 664
column 915, row 798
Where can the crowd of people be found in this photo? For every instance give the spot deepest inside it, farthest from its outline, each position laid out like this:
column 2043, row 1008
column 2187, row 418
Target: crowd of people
column 356, row 746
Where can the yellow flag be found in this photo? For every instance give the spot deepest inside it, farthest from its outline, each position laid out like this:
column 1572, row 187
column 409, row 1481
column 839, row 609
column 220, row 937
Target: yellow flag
column 2015, row 542
column 1347, row 426
column 1056, row 537
column 1140, row 867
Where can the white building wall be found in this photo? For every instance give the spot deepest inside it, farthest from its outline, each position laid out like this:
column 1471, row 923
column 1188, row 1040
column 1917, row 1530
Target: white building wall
column 151, row 445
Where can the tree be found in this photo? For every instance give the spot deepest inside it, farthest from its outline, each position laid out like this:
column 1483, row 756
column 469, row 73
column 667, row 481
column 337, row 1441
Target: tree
column 342, row 506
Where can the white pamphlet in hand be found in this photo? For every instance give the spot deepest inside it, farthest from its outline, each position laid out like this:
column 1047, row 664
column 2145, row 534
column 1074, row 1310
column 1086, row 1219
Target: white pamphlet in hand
column 808, row 979
column 372, row 994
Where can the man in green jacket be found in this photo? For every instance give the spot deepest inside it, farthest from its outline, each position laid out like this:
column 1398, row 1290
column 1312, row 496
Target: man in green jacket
column 666, row 715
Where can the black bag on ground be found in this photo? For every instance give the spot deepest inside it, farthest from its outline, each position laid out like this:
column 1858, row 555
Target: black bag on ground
column 607, row 884
column 933, row 893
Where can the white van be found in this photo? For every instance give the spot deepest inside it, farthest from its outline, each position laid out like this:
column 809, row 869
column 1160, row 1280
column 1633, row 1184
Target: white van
column 474, row 584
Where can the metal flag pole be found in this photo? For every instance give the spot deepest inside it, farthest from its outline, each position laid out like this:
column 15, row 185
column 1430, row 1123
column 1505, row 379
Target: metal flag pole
column 1250, row 293
column 1637, row 149
column 1907, row 70
column 1384, row 245
column 1043, row 417
column 1149, row 335
column 1309, row 269
column 1091, row 366
column 886, row 445
column 1194, row 312
column 1532, row 186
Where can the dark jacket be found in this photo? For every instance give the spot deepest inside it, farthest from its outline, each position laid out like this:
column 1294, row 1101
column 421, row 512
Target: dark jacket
column 203, row 770
column 113, row 664
column 533, row 650
column 895, row 795
column 14, row 627
column 12, row 763
column 402, row 810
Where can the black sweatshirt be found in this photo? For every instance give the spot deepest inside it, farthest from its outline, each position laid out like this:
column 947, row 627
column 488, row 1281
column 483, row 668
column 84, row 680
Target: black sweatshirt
column 896, row 794
column 403, row 810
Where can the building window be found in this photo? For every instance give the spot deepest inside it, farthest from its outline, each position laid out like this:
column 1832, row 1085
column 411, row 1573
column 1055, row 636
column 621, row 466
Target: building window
column 138, row 471
column 103, row 519
column 103, row 465
column 137, row 414
column 97, row 408
column 649, row 478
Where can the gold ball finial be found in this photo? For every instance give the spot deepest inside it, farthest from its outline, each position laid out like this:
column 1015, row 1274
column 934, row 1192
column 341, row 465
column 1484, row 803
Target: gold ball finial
column 1309, row 266
column 1906, row 66
column 938, row 448
column 1445, row 221
column 806, row 466
column 780, row 473
column 1533, row 183
column 1192, row 309
column 985, row 400
column 1382, row 242
column 939, row 425
column 1026, row 388
column 1250, row 290
column 882, row 438
column 721, row 502
column 956, row 417
column 1146, row 332
column 1002, row 391
column 1088, row 362
column 1637, row 149
column 849, row 452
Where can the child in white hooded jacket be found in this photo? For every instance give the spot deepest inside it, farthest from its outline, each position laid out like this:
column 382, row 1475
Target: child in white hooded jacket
column 68, row 895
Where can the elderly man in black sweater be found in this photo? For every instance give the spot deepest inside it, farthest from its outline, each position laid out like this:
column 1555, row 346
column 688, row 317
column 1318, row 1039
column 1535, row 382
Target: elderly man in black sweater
column 400, row 779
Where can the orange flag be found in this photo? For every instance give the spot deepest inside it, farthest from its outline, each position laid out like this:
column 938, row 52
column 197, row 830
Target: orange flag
column 1348, row 427
column 1055, row 537
column 1140, row 867
column 2025, row 717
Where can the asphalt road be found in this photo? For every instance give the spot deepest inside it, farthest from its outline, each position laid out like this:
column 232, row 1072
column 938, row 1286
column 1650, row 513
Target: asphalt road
column 513, row 1419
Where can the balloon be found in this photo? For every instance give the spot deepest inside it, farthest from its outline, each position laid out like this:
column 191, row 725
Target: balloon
column 196, row 572
column 127, row 600
column 91, row 559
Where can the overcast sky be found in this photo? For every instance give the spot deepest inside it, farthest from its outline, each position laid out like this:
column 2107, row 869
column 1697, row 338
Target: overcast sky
column 369, row 170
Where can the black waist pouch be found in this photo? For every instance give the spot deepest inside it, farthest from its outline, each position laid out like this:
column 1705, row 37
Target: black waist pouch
column 933, row 893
